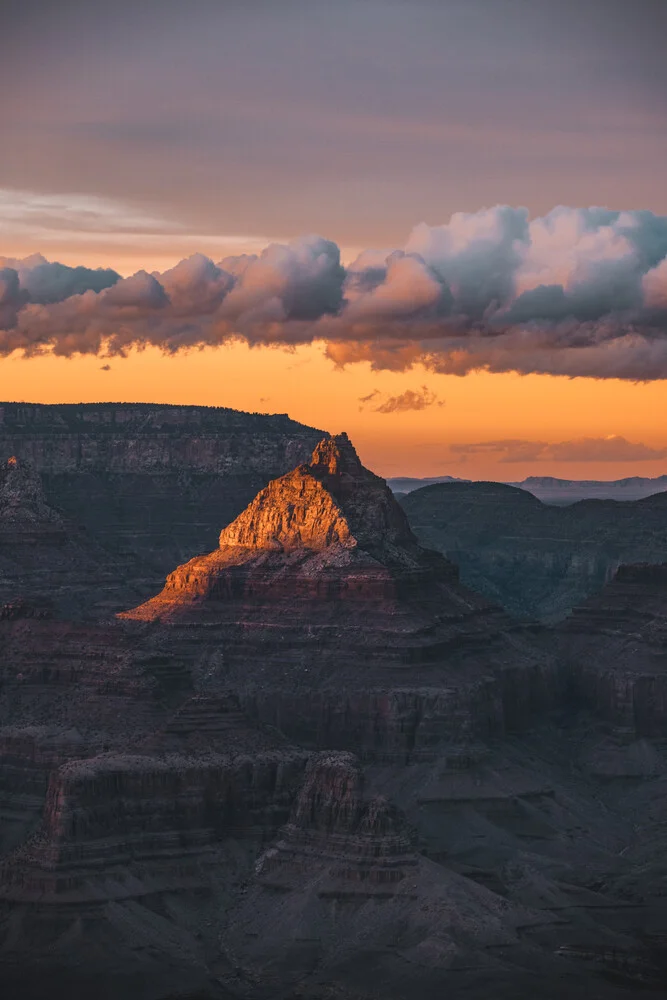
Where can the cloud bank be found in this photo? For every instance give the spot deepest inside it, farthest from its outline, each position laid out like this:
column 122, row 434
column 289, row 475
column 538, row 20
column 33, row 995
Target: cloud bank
column 578, row 292
column 613, row 448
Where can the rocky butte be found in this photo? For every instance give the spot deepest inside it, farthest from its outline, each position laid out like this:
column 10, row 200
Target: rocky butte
column 337, row 626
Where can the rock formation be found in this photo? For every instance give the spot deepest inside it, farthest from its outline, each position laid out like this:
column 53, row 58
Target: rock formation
column 537, row 561
column 335, row 625
column 24, row 513
column 360, row 898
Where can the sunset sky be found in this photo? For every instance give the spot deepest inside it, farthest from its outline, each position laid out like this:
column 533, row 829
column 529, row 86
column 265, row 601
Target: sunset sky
column 366, row 152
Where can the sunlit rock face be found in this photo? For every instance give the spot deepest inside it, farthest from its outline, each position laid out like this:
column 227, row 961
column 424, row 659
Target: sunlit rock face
column 210, row 797
column 332, row 623
column 328, row 529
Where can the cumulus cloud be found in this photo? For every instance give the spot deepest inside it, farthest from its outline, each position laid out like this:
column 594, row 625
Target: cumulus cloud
column 575, row 292
column 411, row 399
column 613, row 448
column 105, row 368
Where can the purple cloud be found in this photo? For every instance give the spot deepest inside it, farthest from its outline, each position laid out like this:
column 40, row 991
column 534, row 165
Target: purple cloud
column 576, row 292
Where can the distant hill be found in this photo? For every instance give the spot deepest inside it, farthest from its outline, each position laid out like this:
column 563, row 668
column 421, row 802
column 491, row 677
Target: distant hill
column 552, row 490
column 406, row 484
column 538, row 560
column 556, row 491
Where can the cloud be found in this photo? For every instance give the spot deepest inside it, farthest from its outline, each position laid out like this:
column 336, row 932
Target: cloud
column 577, row 292
column 613, row 448
column 411, row 399
column 105, row 368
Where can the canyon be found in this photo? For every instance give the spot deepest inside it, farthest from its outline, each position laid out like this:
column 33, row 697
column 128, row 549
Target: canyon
column 315, row 764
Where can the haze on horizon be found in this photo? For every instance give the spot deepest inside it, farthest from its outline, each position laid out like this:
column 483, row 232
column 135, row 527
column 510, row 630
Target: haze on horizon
column 487, row 343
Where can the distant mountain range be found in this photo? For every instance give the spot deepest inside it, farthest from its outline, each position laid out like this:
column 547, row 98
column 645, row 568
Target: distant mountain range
column 559, row 491
column 406, row 484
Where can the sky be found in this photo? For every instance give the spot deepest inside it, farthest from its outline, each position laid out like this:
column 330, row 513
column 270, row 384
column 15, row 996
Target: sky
column 440, row 225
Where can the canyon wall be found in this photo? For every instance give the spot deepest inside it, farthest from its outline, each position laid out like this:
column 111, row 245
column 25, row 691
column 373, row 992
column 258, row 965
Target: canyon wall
column 615, row 646
column 152, row 479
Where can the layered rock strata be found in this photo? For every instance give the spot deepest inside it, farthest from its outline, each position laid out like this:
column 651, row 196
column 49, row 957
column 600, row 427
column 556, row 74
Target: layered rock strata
column 145, row 771
column 130, row 812
column 332, row 623
column 69, row 691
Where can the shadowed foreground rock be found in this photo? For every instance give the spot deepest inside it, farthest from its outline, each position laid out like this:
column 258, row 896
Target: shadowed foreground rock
column 344, row 887
column 616, row 643
column 45, row 558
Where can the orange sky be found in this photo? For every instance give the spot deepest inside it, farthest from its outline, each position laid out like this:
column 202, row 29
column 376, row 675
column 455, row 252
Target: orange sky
column 477, row 407
column 133, row 147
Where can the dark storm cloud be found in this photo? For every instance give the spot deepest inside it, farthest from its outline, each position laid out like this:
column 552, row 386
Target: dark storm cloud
column 576, row 292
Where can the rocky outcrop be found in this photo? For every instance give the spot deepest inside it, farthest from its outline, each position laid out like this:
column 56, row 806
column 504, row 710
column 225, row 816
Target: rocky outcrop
column 330, row 530
column 346, row 871
column 180, row 812
column 537, row 561
column 71, row 691
column 24, row 513
column 146, row 823
column 616, row 645
column 363, row 844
